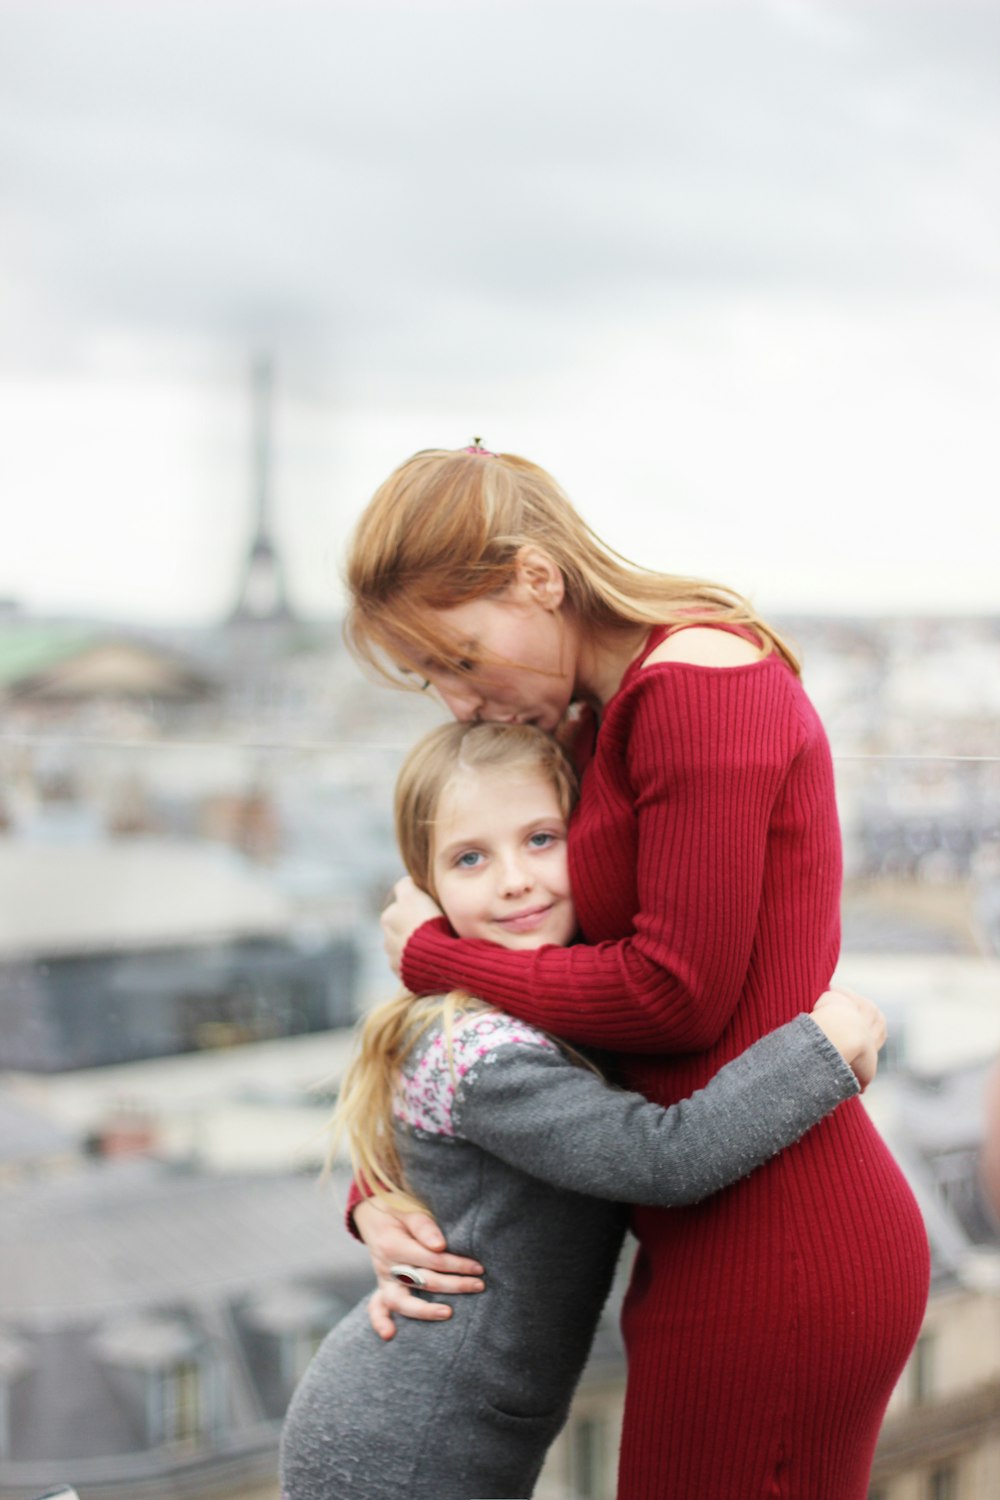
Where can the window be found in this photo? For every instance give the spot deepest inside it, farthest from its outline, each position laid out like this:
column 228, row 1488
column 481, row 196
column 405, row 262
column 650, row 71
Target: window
column 585, row 1459
column 181, row 1402
column 14, row 1362
column 922, row 1370
column 944, row 1483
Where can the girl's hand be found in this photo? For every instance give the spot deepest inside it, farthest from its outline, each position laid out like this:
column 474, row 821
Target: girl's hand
column 409, row 909
column 856, row 1028
column 411, row 1239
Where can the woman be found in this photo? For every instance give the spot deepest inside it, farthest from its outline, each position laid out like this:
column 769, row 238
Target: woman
column 766, row 1328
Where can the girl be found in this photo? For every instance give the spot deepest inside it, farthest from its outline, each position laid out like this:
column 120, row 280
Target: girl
column 705, row 858
column 501, row 1133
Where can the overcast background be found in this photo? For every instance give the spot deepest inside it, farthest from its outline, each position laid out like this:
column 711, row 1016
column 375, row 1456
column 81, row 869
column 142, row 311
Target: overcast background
column 731, row 271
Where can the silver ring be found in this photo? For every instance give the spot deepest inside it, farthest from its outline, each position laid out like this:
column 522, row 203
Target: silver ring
column 408, row 1275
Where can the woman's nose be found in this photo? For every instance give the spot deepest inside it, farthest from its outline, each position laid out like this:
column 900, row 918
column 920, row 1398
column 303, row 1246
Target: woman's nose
column 462, row 703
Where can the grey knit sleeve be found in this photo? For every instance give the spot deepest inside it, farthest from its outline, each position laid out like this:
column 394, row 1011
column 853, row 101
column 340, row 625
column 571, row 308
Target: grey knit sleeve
column 535, row 1109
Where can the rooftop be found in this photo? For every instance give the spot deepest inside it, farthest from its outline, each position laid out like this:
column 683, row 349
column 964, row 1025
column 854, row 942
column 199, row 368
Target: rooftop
column 139, row 1235
column 59, row 899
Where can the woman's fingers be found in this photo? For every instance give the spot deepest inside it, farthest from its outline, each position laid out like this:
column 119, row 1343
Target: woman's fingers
column 406, row 1238
column 392, row 1297
column 389, row 1298
column 424, row 1229
column 380, row 1317
column 403, row 1239
column 434, row 1281
column 402, row 1249
column 399, row 1299
column 455, row 1267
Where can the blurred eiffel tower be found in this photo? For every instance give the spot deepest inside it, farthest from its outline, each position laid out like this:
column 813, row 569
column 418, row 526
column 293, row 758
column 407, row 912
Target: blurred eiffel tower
column 262, row 598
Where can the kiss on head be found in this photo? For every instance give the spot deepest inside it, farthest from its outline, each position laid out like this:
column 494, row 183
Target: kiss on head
column 475, row 573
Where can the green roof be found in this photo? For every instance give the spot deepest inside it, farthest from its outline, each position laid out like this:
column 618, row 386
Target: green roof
column 29, row 649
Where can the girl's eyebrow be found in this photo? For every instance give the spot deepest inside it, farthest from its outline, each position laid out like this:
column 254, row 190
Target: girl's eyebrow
column 456, row 844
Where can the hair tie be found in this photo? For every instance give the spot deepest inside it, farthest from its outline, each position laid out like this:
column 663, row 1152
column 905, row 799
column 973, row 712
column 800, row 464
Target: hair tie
column 477, row 448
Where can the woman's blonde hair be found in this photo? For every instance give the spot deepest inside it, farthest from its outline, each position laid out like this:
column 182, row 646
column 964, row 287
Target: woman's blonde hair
column 388, row 1035
column 446, row 528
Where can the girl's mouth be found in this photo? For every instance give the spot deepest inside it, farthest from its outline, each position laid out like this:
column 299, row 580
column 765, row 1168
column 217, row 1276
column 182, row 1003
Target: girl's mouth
column 525, row 921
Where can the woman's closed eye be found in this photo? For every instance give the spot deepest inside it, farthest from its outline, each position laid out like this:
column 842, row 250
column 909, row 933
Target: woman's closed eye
column 446, row 666
column 420, row 682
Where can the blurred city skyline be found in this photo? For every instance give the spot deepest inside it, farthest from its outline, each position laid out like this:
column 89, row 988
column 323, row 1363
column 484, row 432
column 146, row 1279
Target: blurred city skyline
column 731, row 272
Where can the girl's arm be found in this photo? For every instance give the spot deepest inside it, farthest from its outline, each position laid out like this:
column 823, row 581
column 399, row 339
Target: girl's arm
column 702, row 755
column 529, row 1105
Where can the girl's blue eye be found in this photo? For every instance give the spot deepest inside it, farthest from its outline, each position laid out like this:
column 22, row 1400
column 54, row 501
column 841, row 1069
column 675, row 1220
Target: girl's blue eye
column 541, row 840
column 469, row 860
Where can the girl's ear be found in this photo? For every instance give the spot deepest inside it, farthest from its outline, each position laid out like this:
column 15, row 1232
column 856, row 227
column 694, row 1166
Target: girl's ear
column 535, row 571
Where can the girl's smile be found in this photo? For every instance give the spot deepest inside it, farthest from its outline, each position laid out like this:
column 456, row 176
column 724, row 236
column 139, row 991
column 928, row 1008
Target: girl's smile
column 528, row 920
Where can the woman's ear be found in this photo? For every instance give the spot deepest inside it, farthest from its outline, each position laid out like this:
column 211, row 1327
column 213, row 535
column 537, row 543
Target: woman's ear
column 536, row 572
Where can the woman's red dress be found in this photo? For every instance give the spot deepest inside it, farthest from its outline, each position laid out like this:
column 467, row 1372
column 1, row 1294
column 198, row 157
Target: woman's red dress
column 767, row 1327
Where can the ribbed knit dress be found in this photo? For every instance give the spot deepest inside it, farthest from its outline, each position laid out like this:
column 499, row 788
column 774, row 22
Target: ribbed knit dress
column 767, row 1327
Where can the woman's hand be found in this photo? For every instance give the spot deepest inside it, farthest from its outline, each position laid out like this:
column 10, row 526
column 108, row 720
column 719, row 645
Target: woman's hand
column 409, row 909
column 411, row 1240
column 856, row 1028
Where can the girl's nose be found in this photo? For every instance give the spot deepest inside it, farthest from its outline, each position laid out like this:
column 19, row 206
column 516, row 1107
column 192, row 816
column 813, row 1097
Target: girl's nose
column 514, row 877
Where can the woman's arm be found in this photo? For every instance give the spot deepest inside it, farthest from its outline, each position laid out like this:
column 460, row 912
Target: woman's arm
column 702, row 754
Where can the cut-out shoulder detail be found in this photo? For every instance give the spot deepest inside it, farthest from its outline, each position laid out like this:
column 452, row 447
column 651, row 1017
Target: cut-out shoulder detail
column 704, row 646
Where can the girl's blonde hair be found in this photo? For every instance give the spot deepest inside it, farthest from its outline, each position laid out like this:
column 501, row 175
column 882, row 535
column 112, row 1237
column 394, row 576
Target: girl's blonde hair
column 388, row 1035
column 446, row 528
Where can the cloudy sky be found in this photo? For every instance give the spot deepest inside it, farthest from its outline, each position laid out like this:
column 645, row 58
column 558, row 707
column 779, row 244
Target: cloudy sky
column 731, row 271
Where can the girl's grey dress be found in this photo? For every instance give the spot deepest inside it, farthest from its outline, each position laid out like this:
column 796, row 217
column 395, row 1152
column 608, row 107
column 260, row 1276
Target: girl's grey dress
column 524, row 1158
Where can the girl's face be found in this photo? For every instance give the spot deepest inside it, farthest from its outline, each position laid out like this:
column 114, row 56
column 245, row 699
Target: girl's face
column 499, row 860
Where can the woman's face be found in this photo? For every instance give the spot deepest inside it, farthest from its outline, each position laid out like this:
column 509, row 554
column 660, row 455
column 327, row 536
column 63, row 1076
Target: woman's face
column 499, row 863
column 515, row 659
